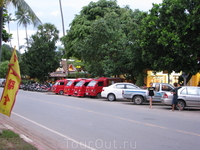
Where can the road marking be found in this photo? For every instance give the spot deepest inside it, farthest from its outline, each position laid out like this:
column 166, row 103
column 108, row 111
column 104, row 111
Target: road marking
column 8, row 127
column 188, row 132
column 121, row 118
column 25, row 138
column 62, row 135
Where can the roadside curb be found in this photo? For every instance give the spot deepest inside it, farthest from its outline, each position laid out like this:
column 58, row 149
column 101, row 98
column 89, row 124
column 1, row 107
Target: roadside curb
column 34, row 139
column 4, row 126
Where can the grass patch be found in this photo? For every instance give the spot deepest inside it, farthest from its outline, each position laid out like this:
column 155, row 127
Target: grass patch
column 12, row 141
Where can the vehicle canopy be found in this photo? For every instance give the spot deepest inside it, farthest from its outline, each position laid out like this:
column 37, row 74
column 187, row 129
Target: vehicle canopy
column 74, row 82
column 105, row 81
column 83, row 82
column 94, row 88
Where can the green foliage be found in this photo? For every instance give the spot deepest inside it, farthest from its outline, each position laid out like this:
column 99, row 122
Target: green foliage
column 5, row 35
column 81, row 25
column 42, row 57
column 171, row 36
column 78, row 75
column 6, row 52
column 3, row 69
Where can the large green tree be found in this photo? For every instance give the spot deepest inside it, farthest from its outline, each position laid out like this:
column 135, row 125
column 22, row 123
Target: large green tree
column 104, row 37
column 42, row 57
column 3, row 69
column 171, row 36
column 81, row 25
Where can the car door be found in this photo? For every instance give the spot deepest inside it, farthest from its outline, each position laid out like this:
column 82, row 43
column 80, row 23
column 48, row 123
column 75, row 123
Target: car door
column 198, row 91
column 191, row 96
column 118, row 90
column 131, row 87
column 166, row 88
column 157, row 93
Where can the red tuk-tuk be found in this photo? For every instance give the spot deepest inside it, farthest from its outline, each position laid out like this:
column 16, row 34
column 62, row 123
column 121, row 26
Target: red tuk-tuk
column 95, row 87
column 80, row 87
column 58, row 87
column 69, row 87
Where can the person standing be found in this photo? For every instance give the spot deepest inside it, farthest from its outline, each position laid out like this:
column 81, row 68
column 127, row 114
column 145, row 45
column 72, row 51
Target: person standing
column 151, row 90
column 175, row 97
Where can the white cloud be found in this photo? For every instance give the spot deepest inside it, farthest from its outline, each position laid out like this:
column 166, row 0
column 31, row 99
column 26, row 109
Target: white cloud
column 55, row 13
column 39, row 14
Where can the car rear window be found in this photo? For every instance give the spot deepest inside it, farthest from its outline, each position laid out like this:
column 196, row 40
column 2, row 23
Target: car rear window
column 130, row 87
column 166, row 88
column 119, row 86
column 192, row 91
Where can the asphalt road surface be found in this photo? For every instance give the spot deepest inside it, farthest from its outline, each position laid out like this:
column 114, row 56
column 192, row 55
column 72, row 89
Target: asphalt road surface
column 98, row 124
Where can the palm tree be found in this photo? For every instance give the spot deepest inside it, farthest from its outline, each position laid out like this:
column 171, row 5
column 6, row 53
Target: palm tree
column 24, row 19
column 8, row 19
column 18, row 4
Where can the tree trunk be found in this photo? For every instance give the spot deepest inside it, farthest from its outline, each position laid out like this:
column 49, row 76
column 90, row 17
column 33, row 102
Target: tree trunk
column 9, row 33
column 18, row 38
column 188, row 77
column 26, row 36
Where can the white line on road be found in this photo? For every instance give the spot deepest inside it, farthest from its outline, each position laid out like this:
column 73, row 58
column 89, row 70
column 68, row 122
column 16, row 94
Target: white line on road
column 68, row 138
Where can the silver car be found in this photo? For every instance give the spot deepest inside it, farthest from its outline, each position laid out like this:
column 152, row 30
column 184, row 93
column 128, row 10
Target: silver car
column 187, row 96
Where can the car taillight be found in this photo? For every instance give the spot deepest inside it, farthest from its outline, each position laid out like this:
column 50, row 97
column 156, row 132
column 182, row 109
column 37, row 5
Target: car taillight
column 165, row 96
column 122, row 91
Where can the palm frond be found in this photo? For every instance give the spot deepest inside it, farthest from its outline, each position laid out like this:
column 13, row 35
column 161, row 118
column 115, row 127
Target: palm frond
column 22, row 5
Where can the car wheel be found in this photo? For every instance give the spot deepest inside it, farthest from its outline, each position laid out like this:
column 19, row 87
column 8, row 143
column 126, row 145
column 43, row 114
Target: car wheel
column 61, row 92
column 99, row 95
column 138, row 100
column 181, row 103
column 111, row 97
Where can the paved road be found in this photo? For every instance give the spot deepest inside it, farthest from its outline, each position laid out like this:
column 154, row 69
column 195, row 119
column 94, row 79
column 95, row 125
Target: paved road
column 97, row 124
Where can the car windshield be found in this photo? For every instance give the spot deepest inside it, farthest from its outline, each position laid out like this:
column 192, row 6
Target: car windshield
column 92, row 83
column 69, row 83
column 80, row 83
column 57, row 83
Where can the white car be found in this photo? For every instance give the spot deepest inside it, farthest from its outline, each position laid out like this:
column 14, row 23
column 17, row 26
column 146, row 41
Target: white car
column 114, row 91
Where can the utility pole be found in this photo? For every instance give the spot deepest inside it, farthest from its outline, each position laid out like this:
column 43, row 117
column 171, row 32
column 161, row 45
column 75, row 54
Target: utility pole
column 63, row 26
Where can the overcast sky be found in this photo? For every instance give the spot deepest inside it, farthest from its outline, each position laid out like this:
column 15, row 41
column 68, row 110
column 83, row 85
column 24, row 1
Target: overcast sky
column 48, row 11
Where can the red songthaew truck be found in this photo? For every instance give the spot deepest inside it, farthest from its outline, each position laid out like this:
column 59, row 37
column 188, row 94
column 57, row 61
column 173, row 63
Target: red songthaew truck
column 80, row 87
column 58, row 87
column 69, row 87
column 95, row 87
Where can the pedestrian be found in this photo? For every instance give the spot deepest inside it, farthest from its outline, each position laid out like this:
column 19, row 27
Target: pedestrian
column 151, row 90
column 144, row 86
column 175, row 97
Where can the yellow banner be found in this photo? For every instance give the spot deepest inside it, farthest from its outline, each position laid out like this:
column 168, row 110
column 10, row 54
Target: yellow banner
column 11, row 87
